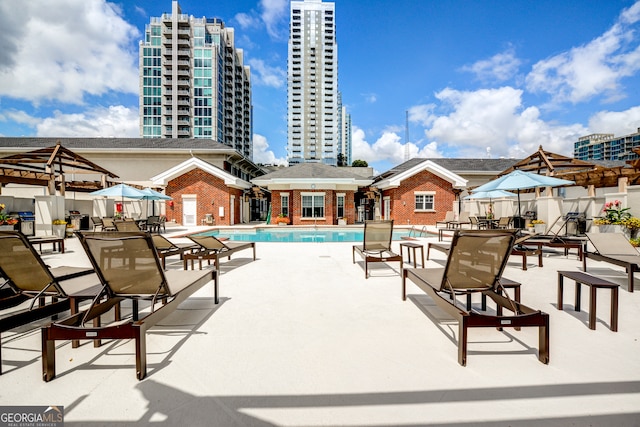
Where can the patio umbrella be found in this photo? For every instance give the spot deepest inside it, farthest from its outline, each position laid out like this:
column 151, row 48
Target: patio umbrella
column 153, row 196
column 120, row 190
column 520, row 180
column 491, row 194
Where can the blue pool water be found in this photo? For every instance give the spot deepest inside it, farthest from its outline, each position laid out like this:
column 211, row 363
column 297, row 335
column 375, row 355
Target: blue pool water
column 290, row 234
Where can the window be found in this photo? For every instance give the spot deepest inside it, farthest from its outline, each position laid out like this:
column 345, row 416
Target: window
column 313, row 205
column 284, row 203
column 425, row 201
column 340, row 205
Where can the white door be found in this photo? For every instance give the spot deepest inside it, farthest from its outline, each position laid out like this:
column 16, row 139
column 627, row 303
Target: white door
column 189, row 212
column 386, row 201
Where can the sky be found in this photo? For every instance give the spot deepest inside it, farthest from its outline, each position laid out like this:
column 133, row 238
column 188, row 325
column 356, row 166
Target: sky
column 473, row 79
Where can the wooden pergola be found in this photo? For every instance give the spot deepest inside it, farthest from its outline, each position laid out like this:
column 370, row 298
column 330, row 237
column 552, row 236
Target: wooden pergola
column 48, row 167
column 583, row 173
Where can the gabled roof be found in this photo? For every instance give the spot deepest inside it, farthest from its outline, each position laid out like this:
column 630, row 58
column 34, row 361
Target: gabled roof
column 395, row 176
column 311, row 173
column 126, row 144
column 457, row 166
column 196, row 163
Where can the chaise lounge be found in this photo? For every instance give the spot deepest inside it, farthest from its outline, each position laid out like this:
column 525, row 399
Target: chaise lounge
column 613, row 248
column 29, row 279
column 475, row 263
column 376, row 246
column 129, row 269
column 211, row 248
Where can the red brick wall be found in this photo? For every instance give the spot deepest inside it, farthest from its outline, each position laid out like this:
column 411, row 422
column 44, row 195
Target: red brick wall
column 403, row 199
column 211, row 193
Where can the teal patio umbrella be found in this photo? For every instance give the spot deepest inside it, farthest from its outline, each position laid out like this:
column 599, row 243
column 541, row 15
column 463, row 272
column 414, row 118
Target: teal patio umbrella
column 521, row 180
column 153, row 196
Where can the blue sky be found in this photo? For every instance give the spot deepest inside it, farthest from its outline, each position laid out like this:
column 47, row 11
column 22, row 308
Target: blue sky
column 478, row 79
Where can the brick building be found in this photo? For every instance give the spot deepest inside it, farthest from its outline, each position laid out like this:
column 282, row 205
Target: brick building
column 202, row 192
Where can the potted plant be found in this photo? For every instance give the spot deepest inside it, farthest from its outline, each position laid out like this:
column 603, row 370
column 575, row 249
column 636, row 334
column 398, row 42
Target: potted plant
column 614, row 217
column 633, row 225
column 538, row 224
column 59, row 227
column 6, row 222
column 531, row 228
column 282, row 220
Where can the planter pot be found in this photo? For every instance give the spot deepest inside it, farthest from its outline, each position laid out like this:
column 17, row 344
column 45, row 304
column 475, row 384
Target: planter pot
column 59, row 230
column 280, row 224
column 6, row 227
column 540, row 228
column 342, row 222
column 610, row 228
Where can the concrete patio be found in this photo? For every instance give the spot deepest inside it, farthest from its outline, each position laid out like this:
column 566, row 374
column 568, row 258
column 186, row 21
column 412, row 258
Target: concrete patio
column 301, row 338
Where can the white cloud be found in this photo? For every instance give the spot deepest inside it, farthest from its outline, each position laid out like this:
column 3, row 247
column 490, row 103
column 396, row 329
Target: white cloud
column 618, row 123
column 496, row 118
column 81, row 47
column 370, row 97
column 262, row 154
column 19, row 117
column 422, row 114
column 388, row 147
column 593, row 69
column 263, row 74
column 247, row 21
column 115, row 121
column 499, row 67
column 273, row 13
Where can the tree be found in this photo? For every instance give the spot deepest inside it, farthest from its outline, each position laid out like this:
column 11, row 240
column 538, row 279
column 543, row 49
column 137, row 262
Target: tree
column 359, row 164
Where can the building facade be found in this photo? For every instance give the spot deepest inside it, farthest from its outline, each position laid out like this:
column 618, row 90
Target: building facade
column 193, row 83
column 312, row 91
column 604, row 146
column 344, row 134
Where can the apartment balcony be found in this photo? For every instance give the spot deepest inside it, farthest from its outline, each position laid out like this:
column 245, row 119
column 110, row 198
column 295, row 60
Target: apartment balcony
column 184, row 103
column 184, row 64
column 184, row 33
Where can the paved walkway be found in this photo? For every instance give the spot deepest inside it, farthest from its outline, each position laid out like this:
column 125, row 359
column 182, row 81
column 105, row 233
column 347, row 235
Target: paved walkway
column 300, row 338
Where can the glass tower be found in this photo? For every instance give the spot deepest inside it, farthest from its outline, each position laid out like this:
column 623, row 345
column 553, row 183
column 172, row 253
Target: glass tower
column 312, row 91
column 193, row 83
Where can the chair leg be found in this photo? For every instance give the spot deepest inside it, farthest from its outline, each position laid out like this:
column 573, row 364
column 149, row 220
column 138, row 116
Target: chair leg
column 462, row 342
column 48, row 356
column 141, row 353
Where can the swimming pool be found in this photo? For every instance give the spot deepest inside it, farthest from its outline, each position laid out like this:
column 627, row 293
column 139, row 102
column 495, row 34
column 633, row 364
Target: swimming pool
column 295, row 234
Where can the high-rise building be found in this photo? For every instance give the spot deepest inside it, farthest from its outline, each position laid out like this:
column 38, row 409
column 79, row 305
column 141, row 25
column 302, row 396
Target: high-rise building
column 605, row 146
column 193, row 83
column 312, row 98
column 344, row 134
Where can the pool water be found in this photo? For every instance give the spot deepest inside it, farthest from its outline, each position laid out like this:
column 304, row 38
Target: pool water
column 290, row 234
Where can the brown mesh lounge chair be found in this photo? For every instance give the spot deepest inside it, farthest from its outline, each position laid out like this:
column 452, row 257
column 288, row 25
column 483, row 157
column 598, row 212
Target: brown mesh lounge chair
column 28, row 279
column 613, row 248
column 463, row 219
column 128, row 268
column 211, row 248
column 126, row 225
column 520, row 248
column 166, row 248
column 450, row 216
column 377, row 245
column 475, row 263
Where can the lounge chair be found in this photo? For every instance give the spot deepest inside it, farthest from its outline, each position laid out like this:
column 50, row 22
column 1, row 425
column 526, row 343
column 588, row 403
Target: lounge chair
column 125, row 225
column 450, row 216
column 108, row 224
column 520, row 248
column 166, row 248
column 97, row 223
column 613, row 248
column 29, row 279
column 475, row 263
column 211, row 248
column 504, row 222
column 377, row 245
column 128, row 268
column 463, row 219
column 476, row 223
